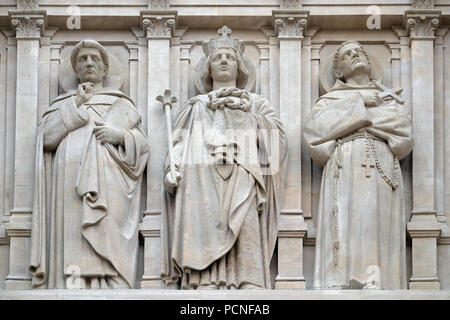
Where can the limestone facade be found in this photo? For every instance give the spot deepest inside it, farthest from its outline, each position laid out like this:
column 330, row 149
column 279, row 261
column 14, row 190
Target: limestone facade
column 290, row 42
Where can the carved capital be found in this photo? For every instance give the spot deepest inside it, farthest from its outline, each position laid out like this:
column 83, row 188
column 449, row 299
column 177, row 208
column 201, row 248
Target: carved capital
column 28, row 24
column 422, row 23
column 290, row 23
column 159, row 24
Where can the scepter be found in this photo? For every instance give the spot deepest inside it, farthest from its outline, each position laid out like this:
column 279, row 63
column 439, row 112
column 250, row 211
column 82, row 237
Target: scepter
column 166, row 100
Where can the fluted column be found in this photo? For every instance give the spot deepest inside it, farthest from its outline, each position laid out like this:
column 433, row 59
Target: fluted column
column 290, row 26
column 28, row 26
column 159, row 27
column 423, row 227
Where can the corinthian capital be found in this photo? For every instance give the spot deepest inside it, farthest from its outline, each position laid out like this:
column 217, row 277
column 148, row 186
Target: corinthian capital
column 27, row 24
column 290, row 23
column 422, row 23
column 159, row 24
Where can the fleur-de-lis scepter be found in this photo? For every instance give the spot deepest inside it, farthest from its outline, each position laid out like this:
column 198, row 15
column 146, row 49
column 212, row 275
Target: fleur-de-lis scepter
column 166, row 100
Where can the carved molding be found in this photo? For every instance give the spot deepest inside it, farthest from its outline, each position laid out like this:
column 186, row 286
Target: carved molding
column 422, row 23
column 290, row 23
column 28, row 24
column 159, row 24
column 423, row 4
column 27, row 4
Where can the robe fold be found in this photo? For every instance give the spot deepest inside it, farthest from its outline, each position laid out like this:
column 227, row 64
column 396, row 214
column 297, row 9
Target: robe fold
column 87, row 194
column 221, row 227
column 364, row 244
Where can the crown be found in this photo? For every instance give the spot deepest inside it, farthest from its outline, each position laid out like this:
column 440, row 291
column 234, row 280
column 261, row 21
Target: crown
column 224, row 41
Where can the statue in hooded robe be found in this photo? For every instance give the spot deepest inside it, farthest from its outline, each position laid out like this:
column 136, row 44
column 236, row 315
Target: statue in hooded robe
column 358, row 132
column 91, row 153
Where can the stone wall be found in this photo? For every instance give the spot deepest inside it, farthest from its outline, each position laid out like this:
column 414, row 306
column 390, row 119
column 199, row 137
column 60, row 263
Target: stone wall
column 408, row 38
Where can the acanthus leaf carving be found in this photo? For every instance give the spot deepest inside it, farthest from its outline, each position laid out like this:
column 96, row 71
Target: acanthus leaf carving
column 159, row 26
column 290, row 26
column 27, row 27
column 422, row 25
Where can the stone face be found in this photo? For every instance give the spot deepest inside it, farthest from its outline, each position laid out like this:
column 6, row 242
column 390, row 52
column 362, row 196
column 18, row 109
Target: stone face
column 288, row 48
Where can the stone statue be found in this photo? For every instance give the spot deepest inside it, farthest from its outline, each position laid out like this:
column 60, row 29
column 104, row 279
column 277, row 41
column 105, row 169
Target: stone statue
column 87, row 192
column 359, row 131
column 230, row 154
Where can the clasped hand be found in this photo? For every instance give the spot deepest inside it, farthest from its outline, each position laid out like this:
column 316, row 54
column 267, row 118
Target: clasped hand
column 171, row 182
column 372, row 100
column 106, row 133
column 229, row 102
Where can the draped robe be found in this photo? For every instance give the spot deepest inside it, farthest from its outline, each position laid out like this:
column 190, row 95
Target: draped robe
column 370, row 226
column 86, row 203
column 221, row 227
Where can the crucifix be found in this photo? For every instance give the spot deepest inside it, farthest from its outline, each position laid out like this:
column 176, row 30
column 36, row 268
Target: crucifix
column 367, row 165
column 386, row 92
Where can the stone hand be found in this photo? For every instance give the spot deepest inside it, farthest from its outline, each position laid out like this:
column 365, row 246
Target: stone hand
column 372, row 100
column 170, row 183
column 84, row 93
column 108, row 134
column 229, row 102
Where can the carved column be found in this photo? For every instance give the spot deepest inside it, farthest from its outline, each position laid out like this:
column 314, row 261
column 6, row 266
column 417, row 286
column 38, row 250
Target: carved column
column 290, row 26
column 423, row 226
column 264, row 67
column 185, row 60
column 28, row 26
column 439, row 127
column 55, row 60
column 159, row 27
column 395, row 64
column 316, row 171
column 133, row 61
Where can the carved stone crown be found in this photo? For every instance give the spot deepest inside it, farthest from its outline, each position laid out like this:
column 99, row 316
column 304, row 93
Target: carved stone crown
column 224, row 41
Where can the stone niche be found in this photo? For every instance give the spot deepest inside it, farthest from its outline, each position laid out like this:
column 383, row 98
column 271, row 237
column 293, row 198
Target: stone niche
column 290, row 45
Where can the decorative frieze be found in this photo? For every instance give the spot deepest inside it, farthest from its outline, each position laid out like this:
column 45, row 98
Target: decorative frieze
column 423, row 4
column 27, row 4
column 158, row 4
column 291, row 4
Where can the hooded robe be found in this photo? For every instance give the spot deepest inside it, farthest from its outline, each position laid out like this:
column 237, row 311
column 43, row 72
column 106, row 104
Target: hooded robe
column 221, row 227
column 87, row 194
column 361, row 227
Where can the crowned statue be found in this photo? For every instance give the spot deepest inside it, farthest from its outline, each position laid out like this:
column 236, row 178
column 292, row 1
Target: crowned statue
column 223, row 200
column 358, row 132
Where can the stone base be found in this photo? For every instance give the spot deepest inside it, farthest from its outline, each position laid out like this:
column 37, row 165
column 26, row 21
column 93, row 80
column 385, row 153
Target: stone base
column 151, row 283
column 224, row 295
column 424, row 284
column 17, row 284
column 285, row 283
